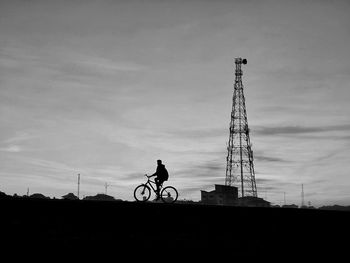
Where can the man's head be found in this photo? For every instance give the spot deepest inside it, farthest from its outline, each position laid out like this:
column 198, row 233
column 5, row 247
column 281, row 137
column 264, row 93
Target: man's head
column 159, row 162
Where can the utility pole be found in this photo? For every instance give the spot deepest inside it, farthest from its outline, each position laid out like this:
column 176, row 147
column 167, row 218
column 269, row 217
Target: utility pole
column 28, row 191
column 302, row 196
column 106, row 185
column 78, row 185
column 284, row 197
column 240, row 167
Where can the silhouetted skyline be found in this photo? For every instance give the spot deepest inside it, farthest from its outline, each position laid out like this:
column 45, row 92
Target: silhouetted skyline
column 105, row 88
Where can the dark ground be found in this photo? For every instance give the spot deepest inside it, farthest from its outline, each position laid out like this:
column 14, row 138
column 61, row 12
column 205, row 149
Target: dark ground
column 113, row 228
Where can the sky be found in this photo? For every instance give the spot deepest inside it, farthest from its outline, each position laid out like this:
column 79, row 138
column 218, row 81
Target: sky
column 105, row 88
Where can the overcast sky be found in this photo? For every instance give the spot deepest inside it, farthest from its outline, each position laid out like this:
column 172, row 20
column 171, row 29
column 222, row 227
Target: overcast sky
column 105, row 88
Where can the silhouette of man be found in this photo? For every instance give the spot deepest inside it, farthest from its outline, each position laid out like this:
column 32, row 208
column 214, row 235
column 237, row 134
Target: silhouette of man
column 162, row 175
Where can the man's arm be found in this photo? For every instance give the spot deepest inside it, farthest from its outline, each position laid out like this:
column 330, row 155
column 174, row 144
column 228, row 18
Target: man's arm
column 156, row 173
column 153, row 174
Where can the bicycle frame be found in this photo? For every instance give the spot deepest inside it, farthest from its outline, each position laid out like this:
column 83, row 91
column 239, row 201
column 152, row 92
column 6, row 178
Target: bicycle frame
column 151, row 183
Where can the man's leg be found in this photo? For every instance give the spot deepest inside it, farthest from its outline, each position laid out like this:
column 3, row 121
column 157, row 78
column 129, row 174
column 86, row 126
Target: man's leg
column 157, row 184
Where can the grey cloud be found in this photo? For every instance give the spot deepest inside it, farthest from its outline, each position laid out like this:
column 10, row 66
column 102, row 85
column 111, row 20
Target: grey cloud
column 327, row 137
column 95, row 69
column 268, row 158
column 268, row 189
column 270, row 185
column 264, row 180
column 341, row 137
column 272, row 181
column 210, row 166
column 191, row 190
column 197, row 152
column 69, row 66
column 198, row 133
column 290, row 130
column 209, row 169
column 139, row 177
column 12, row 149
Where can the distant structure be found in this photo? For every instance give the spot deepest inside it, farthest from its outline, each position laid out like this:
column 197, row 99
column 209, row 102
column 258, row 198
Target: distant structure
column 253, row 201
column 70, row 196
column 100, row 197
column 302, row 196
column 228, row 195
column 290, row 206
column 78, row 186
column 38, row 196
column 3, row 195
column 106, row 186
column 222, row 195
column 240, row 167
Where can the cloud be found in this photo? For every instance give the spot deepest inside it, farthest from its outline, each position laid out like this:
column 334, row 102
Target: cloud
column 279, row 182
column 264, row 180
column 52, row 166
column 210, row 167
column 206, row 168
column 65, row 64
column 20, row 137
column 12, row 149
column 91, row 68
column 290, row 130
column 191, row 191
column 198, row 133
column 268, row 158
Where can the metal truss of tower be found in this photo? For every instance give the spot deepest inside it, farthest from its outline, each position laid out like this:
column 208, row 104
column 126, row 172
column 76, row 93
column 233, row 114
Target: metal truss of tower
column 240, row 167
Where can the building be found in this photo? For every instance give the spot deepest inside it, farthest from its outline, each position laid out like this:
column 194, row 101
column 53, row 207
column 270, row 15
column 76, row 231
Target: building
column 252, row 201
column 222, row 195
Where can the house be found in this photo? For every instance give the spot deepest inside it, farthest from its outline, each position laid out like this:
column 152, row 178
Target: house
column 253, row 201
column 222, row 195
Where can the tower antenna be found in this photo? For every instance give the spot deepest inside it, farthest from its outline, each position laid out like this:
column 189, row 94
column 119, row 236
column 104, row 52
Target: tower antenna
column 240, row 167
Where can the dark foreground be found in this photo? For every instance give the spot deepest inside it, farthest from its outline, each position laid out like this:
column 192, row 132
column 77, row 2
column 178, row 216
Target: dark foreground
column 112, row 228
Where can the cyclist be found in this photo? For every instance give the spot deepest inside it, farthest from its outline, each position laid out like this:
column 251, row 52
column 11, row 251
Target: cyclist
column 162, row 175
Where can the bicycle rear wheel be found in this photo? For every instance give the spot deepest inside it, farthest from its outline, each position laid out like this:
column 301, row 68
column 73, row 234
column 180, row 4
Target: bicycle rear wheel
column 142, row 193
column 169, row 194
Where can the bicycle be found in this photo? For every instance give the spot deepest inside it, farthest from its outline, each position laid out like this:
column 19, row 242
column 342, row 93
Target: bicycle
column 142, row 193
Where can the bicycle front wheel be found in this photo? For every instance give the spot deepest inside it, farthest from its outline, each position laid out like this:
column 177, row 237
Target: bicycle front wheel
column 142, row 193
column 169, row 194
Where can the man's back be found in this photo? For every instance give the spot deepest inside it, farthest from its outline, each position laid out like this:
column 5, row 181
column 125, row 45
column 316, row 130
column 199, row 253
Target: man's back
column 162, row 172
